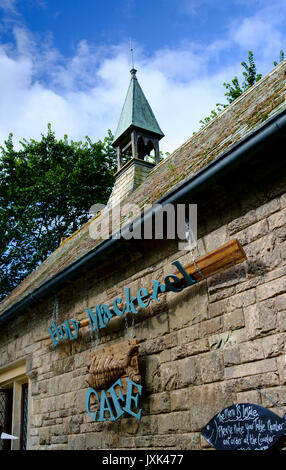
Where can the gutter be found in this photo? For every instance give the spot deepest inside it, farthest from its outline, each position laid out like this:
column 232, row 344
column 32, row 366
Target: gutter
column 234, row 157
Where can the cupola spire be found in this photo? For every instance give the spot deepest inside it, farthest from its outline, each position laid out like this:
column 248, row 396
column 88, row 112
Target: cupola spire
column 138, row 130
column 137, row 134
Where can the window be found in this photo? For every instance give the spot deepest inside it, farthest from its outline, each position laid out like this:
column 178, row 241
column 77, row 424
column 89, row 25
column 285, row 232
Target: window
column 14, row 403
column 6, row 397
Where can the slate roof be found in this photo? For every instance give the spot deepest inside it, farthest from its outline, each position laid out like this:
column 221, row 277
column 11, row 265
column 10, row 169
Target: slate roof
column 244, row 116
column 136, row 112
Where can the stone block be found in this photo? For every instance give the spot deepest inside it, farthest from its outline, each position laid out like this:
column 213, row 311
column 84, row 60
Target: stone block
column 227, row 278
column 283, row 200
column 217, row 308
column 188, row 371
column 274, row 395
column 234, row 320
column 251, row 351
column 211, row 366
column 150, row 367
column 129, row 425
column 59, row 439
column 154, row 327
column 271, row 289
column 251, row 368
column 226, row 340
column 281, row 366
column 262, row 254
column 179, row 400
column 268, row 208
column 143, row 442
column 212, row 326
column 262, row 380
column 165, row 356
column 165, row 441
column 242, row 222
column 188, row 441
column 273, row 345
column 197, row 347
column 251, row 396
column 277, row 220
column 220, row 294
column 190, row 333
column 259, row 318
column 231, row 356
column 281, row 320
column 283, row 250
column 248, row 297
column 188, row 307
column 169, row 375
column 253, row 232
column 216, row 238
column 148, row 425
column 280, row 302
column 44, row 435
column 174, row 422
column 179, row 352
column 170, row 340
column 159, row 403
column 205, row 401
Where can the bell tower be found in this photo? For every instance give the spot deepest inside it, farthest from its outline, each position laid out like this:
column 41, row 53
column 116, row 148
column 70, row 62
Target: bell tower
column 138, row 129
column 137, row 134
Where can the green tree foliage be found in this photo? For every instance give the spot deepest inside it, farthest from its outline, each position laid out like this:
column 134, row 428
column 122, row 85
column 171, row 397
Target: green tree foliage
column 281, row 57
column 214, row 113
column 46, row 190
column 235, row 89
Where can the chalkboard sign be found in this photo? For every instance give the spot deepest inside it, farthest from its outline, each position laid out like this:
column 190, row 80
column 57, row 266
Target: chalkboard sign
column 244, row 426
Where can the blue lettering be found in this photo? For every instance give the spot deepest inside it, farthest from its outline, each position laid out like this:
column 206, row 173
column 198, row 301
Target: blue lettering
column 92, row 319
column 187, row 277
column 134, row 398
column 55, row 334
column 75, row 324
column 103, row 407
column 118, row 312
column 157, row 286
column 130, row 307
column 87, row 402
column 142, row 294
column 172, row 285
column 116, row 398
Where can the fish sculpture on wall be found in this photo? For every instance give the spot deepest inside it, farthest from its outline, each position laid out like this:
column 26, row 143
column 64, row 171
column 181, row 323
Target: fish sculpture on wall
column 105, row 368
column 244, row 426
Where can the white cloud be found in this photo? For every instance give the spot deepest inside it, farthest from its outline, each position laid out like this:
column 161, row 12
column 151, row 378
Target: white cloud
column 83, row 95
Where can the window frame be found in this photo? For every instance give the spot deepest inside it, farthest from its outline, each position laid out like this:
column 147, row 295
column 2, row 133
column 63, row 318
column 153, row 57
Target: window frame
column 14, row 376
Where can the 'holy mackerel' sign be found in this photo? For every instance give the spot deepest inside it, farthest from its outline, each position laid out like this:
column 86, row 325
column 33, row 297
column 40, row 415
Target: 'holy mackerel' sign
column 128, row 304
column 213, row 262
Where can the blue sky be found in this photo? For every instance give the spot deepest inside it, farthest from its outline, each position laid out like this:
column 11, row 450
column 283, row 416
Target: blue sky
column 67, row 62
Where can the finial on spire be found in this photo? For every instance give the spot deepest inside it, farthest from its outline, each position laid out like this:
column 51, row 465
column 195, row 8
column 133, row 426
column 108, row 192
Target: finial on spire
column 131, row 54
column 133, row 70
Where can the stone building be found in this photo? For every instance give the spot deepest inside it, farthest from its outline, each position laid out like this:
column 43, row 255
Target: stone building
column 217, row 342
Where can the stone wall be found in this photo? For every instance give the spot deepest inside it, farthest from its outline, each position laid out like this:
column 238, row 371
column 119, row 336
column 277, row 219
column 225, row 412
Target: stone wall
column 216, row 343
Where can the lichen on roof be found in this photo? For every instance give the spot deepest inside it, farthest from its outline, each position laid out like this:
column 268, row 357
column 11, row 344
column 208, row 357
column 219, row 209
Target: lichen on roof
column 244, row 116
